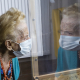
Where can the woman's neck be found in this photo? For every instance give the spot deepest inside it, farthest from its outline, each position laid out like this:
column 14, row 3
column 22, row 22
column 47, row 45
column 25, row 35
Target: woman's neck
column 5, row 58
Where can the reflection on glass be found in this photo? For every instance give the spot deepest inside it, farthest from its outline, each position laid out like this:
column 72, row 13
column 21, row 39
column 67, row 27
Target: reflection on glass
column 60, row 37
column 68, row 53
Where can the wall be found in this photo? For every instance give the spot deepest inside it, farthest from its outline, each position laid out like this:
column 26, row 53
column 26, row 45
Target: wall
column 19, row 4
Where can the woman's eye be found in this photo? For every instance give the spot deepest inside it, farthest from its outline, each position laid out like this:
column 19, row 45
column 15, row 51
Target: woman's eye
column 21, row 37
column 70, row 33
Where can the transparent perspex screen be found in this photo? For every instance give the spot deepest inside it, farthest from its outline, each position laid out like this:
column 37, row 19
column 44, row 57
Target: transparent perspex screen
column 55, row 33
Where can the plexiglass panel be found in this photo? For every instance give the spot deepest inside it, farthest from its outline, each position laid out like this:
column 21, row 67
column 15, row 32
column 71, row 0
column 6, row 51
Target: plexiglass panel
column 59, row 39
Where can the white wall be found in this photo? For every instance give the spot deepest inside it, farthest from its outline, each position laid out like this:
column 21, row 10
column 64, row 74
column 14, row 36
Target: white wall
column 19, row 4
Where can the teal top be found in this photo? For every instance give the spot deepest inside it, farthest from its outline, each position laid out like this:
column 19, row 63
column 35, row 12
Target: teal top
column 16, row 69
column 66, row 60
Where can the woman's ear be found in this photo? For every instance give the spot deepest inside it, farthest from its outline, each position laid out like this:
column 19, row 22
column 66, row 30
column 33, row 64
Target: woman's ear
column 8, row 44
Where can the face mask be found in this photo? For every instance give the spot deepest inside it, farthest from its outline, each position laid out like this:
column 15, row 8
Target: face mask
column 69, row 42
column 25, row 48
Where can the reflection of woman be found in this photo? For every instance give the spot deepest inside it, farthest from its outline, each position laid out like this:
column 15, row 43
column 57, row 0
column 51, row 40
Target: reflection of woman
column 69, row 39
column 14, row 42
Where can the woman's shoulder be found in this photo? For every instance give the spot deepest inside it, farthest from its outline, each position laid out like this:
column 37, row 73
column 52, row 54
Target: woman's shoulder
column 16, row 67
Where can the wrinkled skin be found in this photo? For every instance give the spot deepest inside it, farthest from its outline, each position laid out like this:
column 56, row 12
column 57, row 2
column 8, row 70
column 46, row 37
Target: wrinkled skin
column 68, row 27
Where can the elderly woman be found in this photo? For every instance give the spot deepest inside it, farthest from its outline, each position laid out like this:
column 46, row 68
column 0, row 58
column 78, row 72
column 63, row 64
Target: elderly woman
column 68, row 53
column 14, row 42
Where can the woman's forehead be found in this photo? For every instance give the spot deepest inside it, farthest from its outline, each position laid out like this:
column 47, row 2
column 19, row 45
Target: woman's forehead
column 70, row 20
column 68, row 23
column 22, row 26
column 22, row 30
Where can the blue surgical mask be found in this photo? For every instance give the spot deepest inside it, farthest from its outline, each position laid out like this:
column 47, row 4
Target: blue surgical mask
column 69, row 42
column 25, row 48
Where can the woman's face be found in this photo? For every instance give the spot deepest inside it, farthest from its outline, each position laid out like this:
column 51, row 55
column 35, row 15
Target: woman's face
column 23, row 35
column 67, row 26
